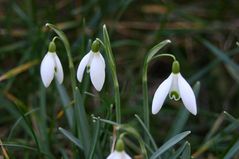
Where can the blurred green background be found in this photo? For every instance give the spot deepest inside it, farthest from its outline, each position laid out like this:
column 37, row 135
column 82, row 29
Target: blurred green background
column 203, row 35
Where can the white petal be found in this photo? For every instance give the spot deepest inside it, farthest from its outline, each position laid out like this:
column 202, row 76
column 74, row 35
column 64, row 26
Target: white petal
column 114, row 155
column 81, row 68
column 97, row 71
column 160, row 94
column 187, row 95
column 119, row 155
column 174, row 90
column 47, row 69
column 59, row 71
column 125, row 155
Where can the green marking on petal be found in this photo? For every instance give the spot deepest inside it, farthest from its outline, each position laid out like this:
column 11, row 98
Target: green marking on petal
column 174, row 95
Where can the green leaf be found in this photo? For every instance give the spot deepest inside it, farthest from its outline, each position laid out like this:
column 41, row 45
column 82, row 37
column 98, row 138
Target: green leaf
column 156, row 48
column 232, row 151
column 179, row 151
column 233, row 73
column 133, row 132
column 65, row 103
column 186, row 152
column 82, row 122
column 231, row 118
column 15, row 145
column 96, row 136
column 111, row 62
column 221, row 55
column 71, row 137
column 147, row 132
column 171, row 142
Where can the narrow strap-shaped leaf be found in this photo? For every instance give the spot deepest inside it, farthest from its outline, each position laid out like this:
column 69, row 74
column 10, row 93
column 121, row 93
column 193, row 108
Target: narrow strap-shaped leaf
column 231, row 118
column 65, row 103
column 111, row 61
column 186, row 152
column 97, row 132
column 82, row 122
column 232, row 151
column 220, row 54
column 147, row 132
column 179, row 151
column 156, row 48
column 147, row 59
column 171, row 142
column 71, row 137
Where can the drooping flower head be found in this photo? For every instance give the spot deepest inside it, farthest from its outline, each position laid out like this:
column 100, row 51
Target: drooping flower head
column 95, row 64
column 177, row 87
column 119, row 152
column 51, row 66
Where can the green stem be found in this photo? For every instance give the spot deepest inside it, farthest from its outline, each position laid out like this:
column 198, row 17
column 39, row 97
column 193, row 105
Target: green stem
column 82, row 125
column 112, row 66
column 145, row 91
column 165, row 55
column 67, row 46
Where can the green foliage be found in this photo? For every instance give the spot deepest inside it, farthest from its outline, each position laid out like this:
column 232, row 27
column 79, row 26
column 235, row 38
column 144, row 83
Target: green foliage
column 57, row 122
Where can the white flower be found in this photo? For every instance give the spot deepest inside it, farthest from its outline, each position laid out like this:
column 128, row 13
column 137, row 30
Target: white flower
column 119, row 155
column 96, row 65
column 177, row 87
column 50, row 67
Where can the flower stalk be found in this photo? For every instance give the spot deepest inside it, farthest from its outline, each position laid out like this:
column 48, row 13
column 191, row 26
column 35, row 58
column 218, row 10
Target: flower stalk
column 81, row 125
column 151, row 55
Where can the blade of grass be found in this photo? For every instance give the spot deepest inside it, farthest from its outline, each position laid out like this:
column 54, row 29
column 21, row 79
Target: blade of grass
column 220, row 54
column 21, row 108
column 12, row 47
column 216, row 139
column 19, row 69
column 4, row 151
column 18, row 121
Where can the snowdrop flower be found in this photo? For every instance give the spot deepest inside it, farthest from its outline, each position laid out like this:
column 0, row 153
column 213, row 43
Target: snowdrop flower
column 51, row 66
column 95, row 64
column 177, row 87
column 119, row 152
column 118, row 155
